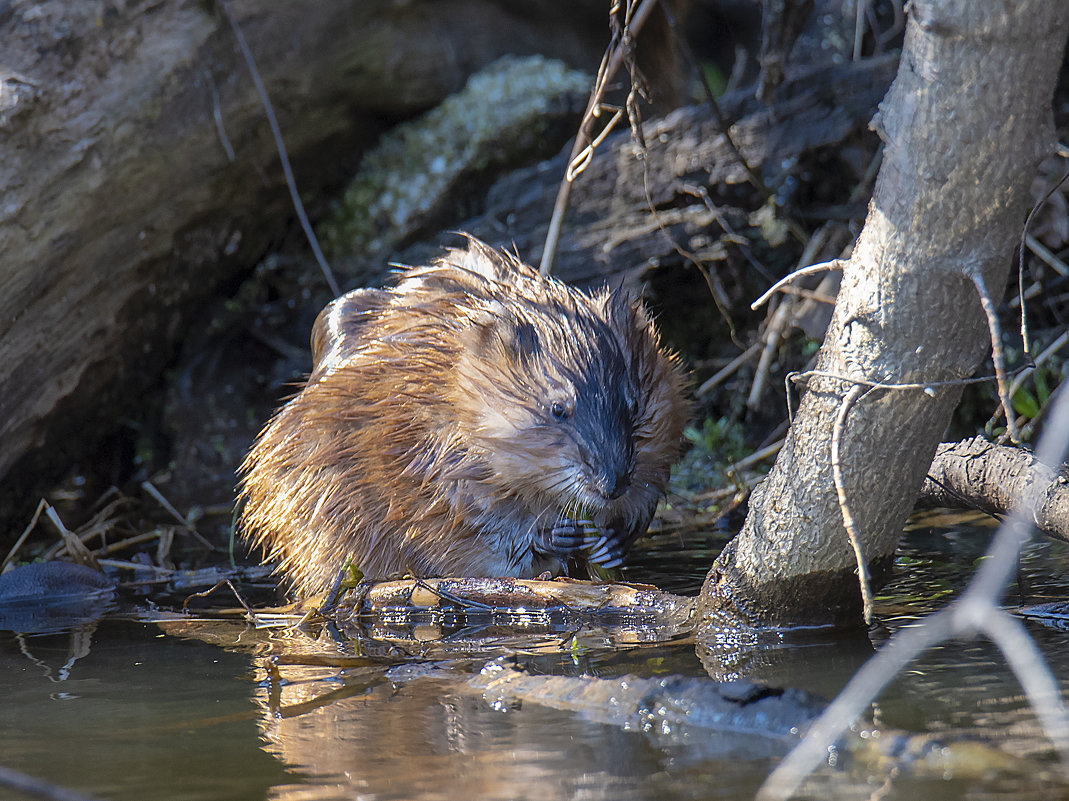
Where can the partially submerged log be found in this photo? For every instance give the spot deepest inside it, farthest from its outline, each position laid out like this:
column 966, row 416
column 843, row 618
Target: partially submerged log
column 413, row 611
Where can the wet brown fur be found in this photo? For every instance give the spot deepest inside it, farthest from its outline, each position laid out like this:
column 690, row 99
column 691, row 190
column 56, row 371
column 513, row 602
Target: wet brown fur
column 427, row 440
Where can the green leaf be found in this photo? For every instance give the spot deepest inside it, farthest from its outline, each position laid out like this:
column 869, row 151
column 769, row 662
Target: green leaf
column 1025, row 403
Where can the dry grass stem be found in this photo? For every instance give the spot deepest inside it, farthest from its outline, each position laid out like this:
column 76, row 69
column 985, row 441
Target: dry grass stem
column 41, row 505
column 583, row 147
column 727, row 370
column 280, row 146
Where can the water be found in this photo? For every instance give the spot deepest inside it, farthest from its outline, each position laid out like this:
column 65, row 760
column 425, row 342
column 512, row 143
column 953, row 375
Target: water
column 138, row 715
column 199, row 710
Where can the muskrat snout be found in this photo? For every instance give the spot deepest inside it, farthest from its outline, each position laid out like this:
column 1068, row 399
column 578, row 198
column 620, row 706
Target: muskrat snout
column 610, row 481
column 620, row 485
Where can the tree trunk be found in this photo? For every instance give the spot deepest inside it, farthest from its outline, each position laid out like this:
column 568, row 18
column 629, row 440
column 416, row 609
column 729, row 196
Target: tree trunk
column 965, row 125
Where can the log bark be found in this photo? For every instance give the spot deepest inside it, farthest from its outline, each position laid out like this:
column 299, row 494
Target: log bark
column 965, row 125
column 977, row 474
column 120, row 210
column 613, row 230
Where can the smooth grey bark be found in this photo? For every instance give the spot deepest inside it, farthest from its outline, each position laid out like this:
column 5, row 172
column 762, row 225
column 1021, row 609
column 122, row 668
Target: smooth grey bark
column 965, row 125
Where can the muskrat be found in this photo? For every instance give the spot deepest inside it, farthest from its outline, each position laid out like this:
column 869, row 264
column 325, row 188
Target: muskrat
column 475, row 419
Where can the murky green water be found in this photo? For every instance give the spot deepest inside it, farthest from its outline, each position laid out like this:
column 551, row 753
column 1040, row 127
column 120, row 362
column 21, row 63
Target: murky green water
column 134, row 710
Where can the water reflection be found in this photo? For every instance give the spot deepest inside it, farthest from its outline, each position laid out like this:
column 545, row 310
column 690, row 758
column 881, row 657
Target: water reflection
column 427, row 739
column 199, row 710
column 140, row 716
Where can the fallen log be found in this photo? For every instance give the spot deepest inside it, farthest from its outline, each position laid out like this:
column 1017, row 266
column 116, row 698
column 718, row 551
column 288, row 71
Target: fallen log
column 139, row 175
column 977, row 474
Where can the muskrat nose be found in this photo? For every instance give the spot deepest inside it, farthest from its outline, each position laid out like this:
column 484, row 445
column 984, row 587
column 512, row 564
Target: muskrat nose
column 616, row 485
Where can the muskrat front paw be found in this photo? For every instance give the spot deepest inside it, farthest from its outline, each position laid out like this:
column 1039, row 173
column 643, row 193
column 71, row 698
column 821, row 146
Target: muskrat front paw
column 566, row 538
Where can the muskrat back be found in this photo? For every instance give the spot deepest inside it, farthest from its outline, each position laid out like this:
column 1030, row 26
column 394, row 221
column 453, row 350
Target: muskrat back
column 466, row 421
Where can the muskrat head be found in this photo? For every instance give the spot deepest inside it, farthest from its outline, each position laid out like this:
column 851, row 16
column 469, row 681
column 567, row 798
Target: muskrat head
column 551, row 399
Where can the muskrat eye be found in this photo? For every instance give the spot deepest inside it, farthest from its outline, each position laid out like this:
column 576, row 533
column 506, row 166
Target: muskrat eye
column 558, row 410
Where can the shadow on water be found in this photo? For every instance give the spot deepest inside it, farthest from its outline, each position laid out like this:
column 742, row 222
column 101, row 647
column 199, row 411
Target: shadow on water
column 198, row 709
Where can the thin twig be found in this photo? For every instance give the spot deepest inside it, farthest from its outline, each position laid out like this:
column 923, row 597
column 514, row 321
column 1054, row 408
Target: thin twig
column 75, row 547
column 727, row 370
column 849, row 523
column 163, row 574
column 808, row 294
column 736, row 238
column 41, row 504
column 712, row 280
column 997, row 354
column 129, row 542
column 1061, row 151
column 586, row 155
column 824, row 266
column 150, row 488
column 217, row 115
column 783, row 314
column 855, row 697
column 276, row 132
column 714, row 106
column 1044, row 254
column 757, row 456
column 445, row 595
column 1047, row 352
column 249, row 614
column 771, row 341
column 609, row 65
column 1030, row 668
column 927, row 387
column 860, row 12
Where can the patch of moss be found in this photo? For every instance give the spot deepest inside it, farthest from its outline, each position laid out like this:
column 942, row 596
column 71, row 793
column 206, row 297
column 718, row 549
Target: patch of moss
column 504, row 110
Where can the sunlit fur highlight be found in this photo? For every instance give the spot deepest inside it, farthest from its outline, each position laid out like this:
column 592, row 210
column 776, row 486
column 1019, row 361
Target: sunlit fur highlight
column 425, row 441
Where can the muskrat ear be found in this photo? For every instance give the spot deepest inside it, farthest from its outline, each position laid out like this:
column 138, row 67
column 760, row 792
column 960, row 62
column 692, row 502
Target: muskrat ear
column 498, row 334
column 487, row 323
column 524, row 342
column 623, row 307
